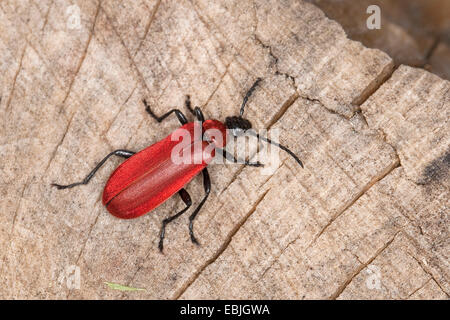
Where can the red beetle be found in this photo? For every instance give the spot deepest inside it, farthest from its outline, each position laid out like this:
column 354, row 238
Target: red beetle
column 148, row 178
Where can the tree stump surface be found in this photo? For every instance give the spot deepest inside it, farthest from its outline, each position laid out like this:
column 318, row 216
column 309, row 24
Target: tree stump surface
column 366, row 218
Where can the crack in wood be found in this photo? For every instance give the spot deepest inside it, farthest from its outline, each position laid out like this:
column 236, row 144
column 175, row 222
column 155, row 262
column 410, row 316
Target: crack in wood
column 55, row 150
column 352, row 201
column 358, row 270
column 306, row 97
column 424, row 253
column 284, row 108
column 77, row 70
column 385, row 139
column 275, row 60
column 386, row 172
column 218, row 84
column 219, row 252
column 375, row 84
column 8, row 103
column 118, row 112
column 424, row 268
column 420, row 287
column 147, row 27
column 47, row 15
column 371, row 88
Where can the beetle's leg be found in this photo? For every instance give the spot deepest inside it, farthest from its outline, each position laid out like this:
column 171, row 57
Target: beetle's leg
column 228, row 156
column 181, row 117
column 187, row 200
column 197, row 112
column 207, row 187
column 120, row 153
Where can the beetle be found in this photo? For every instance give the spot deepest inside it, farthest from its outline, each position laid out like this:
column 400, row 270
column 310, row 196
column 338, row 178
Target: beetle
column 148, row 178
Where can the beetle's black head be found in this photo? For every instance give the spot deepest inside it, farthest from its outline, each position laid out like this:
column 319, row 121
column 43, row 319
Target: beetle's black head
column 237, row 125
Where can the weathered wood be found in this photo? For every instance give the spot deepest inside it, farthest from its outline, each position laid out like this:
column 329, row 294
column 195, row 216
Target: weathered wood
column 395, row 229
column 72, row 94
column 412, row 110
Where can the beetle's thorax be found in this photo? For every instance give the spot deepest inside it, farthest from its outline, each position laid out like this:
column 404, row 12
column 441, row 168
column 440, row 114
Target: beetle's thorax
column 215, row 132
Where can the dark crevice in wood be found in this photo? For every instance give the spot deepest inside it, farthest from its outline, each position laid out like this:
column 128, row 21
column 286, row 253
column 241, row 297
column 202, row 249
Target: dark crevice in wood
column 342, row 287
column 224, row 246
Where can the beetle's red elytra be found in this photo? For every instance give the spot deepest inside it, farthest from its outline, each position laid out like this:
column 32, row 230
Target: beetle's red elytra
column 149, row 177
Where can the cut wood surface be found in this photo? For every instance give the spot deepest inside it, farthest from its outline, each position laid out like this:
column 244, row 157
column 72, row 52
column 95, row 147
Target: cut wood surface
column 368, row 216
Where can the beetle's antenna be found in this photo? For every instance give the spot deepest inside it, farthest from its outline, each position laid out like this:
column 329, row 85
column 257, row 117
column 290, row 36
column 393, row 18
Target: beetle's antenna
column 248, row 94
column 253, row 133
